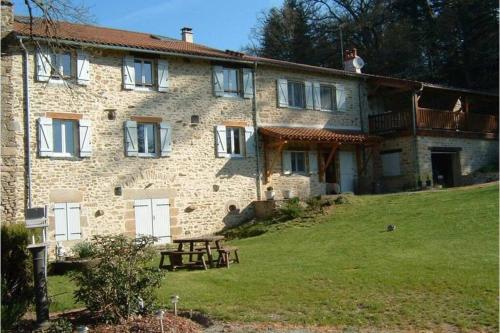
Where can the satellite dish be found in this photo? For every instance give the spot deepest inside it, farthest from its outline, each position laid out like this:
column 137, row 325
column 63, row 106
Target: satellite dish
column 358, row 63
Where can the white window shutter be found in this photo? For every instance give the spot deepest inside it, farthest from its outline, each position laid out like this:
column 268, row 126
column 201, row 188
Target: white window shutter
column 282, row 89
column 165, row 139
column 250, row 141
column 143, row 217
column 313, row 162
column 340, row 97
column 247, row 83
column 82, row 68
column 128, row 73
column 317, row 95
column 287, row 162
column 218, row 80
column 309, row 95
column 220, row 140
column 130, row 128
column 43, row 68
column 73, row 213
column 163, row 75
column 45, row 139
column 61, row 225
column 85, row 134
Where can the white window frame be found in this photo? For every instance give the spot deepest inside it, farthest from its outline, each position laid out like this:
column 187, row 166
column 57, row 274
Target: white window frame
column 292, row 154
column 57, row 67
column 143, row 85
column 230, row 147
column 76, row 138
column 155, row 136
column 389, row 157
column 332, row 97
column 302, row 84
column 239, row 83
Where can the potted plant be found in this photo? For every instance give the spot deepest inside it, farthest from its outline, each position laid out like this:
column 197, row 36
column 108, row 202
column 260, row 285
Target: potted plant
column 270, row 193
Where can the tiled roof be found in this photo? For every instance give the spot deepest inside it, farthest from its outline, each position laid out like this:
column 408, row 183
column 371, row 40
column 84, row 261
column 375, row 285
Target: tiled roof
column 105, row 36
column 316, row 134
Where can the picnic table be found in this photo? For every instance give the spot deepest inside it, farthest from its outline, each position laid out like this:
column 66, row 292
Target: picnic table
column 195, row 255
column 207, row 241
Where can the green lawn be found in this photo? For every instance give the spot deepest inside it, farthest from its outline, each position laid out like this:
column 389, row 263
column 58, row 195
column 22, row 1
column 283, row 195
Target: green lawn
column 440, row 266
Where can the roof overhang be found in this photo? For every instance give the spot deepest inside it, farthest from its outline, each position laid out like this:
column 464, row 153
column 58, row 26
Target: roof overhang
column 317, row 135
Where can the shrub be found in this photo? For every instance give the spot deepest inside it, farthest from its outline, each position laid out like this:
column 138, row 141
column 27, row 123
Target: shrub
column 60, row 325
column 17, row 275
column 314, row 204
column 341, row 200
column 292, row 209
column 83, row 250
column 121, row 280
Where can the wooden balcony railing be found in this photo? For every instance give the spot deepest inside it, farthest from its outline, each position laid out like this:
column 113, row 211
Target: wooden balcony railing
column 432, row 119
column 390, row 121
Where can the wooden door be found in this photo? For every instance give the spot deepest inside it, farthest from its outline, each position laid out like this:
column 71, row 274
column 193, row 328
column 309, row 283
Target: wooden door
column 348, row 170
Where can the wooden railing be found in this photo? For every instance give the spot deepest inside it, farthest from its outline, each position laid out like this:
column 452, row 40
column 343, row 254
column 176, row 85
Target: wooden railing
column 433, row 119
column 390, row 121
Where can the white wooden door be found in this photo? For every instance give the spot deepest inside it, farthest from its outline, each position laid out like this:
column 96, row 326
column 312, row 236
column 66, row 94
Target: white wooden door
column 348, row 170
column 143, row 217
column 161, row 220
column 152, row 218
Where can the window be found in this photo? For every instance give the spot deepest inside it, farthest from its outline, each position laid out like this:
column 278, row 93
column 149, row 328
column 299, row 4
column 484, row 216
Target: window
column 146, row 139
column 298, row 159
column 143, row 72
column 231, row 81
column 391, row 163
column 67, row 221
column 60, row 65
column 64, row 137
column 234, row 139
column 327, row 98
column 296, row 94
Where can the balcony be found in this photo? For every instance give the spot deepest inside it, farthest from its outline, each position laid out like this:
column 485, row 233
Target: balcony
column 433, row 121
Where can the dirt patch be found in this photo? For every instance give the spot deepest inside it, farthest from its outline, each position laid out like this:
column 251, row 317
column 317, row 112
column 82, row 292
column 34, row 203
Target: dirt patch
column 136, row 324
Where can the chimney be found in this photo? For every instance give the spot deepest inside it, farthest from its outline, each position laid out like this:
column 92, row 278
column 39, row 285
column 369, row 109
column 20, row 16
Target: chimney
column 352, row 62
column 7, row 17
column 187, row 35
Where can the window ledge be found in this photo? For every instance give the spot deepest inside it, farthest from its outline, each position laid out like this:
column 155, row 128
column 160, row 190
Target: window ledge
column 62, row 158
column 144, row 89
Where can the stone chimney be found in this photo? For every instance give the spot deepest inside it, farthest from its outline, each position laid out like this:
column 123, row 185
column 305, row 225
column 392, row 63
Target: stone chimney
column 352, row 62
column 7, row 17
column 187, row 35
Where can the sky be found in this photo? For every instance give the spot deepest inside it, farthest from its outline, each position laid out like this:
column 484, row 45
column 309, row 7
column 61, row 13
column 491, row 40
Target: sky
column 223, row 24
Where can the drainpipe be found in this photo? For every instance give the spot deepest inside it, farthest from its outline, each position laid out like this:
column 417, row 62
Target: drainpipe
column 256, row 131
column 27, row 120
column 414, row 131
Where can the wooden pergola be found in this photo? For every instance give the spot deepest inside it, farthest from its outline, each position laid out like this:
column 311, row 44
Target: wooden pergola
column 323, row 140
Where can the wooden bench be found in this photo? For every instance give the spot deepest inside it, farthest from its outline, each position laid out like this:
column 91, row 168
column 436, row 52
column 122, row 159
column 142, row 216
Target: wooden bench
column 177, row 261
column 225, row 256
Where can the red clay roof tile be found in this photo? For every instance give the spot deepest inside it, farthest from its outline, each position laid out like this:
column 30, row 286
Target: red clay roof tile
column 316, row 134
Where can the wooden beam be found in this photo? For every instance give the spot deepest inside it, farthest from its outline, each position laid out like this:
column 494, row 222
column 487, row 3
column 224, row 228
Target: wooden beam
column 321, row 173
column 359, row 163
column 276, row 144
column 64, row 115
column 331, row 155
column 266, row 178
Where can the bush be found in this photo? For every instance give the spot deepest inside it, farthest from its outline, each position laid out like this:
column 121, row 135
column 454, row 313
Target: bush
column 292, row 209
column 83, row 249
column 17, row 275
column 315, row 204
column 121, row 280
column 341, row 200
column 60, row 325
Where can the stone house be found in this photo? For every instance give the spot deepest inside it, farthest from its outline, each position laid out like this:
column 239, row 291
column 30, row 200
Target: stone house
column 124, row 132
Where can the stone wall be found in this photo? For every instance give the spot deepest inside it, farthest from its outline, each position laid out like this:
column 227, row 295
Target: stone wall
column 472, row 155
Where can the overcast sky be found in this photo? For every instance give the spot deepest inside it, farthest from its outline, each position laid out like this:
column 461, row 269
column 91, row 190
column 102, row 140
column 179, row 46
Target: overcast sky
column 223, row 24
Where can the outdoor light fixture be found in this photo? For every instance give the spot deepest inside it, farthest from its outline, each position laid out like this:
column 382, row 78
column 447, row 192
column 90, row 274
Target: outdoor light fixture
column 118, row 190
column 175, row 299
column 82, row 329
column 159, row 316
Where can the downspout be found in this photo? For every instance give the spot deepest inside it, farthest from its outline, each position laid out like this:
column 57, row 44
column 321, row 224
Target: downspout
column 414, row 132
column 27, row 120
column 256, row 131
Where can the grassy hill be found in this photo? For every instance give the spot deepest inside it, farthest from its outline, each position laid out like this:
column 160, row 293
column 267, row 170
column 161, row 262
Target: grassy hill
column 440, row 267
